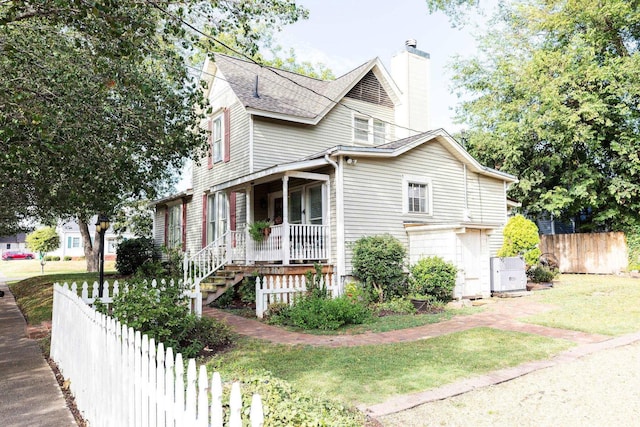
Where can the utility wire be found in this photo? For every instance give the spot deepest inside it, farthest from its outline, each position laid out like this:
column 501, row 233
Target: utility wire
column 273, row 70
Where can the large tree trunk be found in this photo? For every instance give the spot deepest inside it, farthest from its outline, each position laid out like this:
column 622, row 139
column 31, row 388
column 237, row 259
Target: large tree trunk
column 91, row 249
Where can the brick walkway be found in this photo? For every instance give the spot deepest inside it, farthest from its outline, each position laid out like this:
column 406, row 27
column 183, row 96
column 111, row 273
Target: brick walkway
column 500, row 314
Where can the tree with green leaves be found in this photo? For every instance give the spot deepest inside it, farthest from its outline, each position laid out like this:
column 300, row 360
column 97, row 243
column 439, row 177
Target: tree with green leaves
column 43, row 240
column 97, row 102
column 553, row 97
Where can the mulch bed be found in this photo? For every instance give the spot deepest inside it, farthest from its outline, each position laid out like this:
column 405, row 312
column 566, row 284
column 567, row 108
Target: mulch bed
column 64, row 386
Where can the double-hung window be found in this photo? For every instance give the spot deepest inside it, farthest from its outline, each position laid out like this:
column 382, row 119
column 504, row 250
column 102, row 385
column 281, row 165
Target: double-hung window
column 217, row 146
column 416, row 192
column 217, row 216
column 370, row 130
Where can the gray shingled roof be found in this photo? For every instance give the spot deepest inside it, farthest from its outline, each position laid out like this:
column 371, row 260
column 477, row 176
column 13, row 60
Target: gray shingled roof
column 284, row 92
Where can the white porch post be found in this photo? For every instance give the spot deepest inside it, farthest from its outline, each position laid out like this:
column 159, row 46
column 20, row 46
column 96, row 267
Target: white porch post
column 249, row 217
column 286, row 252
column 327, row 214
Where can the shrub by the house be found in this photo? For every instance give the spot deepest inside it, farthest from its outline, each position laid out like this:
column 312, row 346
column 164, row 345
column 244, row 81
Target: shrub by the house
column 378, row 263
column 133, row 253
column 162, row 313
column 433, row 277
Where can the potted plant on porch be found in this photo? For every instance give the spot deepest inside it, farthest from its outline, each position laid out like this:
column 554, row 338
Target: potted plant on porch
column 259, row 230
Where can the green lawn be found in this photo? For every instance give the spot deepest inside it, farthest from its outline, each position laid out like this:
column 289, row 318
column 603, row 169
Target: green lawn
column 371, row 374
column 31, row 267
column 35, row 295
column 598, row 304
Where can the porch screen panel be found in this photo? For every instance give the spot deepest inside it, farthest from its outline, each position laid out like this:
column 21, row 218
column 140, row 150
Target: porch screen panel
column 315, row 205
column 295, row 207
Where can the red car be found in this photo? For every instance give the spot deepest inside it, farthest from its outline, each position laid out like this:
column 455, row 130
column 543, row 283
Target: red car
column 17, row 255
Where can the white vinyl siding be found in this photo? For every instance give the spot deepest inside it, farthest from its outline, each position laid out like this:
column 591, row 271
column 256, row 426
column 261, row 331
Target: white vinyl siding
column 278, row 144
column 381, row 209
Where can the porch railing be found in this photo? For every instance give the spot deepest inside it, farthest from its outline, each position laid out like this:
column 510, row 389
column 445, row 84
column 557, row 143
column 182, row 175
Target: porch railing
column 306, row 242
column 205, row 262
column 309, row 242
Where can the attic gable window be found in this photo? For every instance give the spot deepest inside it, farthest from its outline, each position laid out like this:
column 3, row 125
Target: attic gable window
column 416, row 195
column 370, row 130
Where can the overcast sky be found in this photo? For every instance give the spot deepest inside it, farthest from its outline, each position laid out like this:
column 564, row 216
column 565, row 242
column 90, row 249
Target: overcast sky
column 343, row 34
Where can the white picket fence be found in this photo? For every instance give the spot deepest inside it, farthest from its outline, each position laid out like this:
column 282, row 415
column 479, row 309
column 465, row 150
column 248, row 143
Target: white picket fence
column 89, row 293
column 121, row 378
column 283, row 288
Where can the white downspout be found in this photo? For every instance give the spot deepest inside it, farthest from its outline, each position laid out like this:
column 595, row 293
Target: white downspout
column 340, row 248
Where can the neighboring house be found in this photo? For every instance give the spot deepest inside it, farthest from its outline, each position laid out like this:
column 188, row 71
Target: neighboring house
column 71, row 240
column 13, row 243
column 332, row 161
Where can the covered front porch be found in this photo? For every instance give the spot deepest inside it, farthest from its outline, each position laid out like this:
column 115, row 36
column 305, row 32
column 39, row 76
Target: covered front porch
column 292, row 206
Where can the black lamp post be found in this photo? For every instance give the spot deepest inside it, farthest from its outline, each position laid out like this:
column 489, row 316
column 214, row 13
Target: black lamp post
column 101, row 227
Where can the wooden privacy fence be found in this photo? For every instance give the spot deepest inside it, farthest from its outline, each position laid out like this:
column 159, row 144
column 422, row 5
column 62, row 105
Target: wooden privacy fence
column 121, row 378
column 283, row 288
column 596, row 253
column 89, row 293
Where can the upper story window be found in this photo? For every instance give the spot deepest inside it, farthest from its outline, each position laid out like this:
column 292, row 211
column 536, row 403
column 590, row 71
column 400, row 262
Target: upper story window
column 216, row 138
column 219, row 137
column 368, row 129
column 417, row 195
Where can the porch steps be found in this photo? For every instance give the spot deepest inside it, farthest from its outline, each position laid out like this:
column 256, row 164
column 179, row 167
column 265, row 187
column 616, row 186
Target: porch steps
column 217, row 284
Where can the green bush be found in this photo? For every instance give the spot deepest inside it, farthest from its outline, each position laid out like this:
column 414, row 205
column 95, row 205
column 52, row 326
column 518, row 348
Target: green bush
column 163, row 314
column 247, row 289
column 396, row 306
column 67, row 258
column 433, row 276
column 133, row 253
column 541, row 273
column 48, row 258
column 283, row 405
column 310, row 312
column 205, row 335
column 521, row 238
column 378, row 263
column 55, row 258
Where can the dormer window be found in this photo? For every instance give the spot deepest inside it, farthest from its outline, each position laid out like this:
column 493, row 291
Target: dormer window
column 369, row 130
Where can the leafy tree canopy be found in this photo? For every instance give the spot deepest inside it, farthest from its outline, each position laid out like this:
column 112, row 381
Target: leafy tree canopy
column 555, row 99
column 43, row 240
column 97, row 105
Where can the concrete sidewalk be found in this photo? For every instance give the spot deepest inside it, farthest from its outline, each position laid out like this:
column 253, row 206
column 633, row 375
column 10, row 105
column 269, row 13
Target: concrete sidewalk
column 29, row 392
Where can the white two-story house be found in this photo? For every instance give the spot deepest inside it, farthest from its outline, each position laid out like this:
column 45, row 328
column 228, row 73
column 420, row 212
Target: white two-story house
column 328, row 162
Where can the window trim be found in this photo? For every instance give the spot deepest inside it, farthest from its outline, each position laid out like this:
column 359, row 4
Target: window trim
column 371, row 129
column 421, row 180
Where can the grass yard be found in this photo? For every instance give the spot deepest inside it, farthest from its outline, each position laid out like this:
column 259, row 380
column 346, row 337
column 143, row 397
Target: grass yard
column 35, row 295
column 371, row 374
column 31, row 267
column 596, row 304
